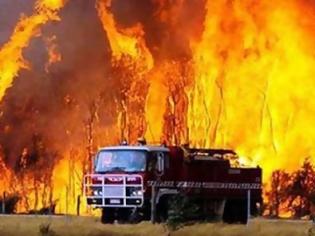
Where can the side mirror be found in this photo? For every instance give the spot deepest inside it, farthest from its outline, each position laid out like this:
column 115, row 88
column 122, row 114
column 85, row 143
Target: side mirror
column 160, row 163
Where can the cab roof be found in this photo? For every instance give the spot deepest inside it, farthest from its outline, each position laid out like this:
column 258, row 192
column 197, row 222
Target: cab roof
column 137, row 147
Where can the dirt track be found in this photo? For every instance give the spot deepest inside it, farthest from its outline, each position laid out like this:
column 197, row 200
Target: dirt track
column 29, row 225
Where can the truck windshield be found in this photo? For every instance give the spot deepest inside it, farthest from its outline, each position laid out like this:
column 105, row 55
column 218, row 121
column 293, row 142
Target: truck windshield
column 120, row 160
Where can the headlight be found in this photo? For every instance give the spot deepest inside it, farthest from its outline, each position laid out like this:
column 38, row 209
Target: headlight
column 137, row 193
column 97, row 193
column 134, row 191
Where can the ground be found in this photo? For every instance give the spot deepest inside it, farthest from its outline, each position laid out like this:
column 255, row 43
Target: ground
column 61, row 225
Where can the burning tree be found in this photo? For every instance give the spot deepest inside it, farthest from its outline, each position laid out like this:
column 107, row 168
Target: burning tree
column 278, row 194
column 289, row 192
column 34, row 176
column 130, row 100
column 178, row 76
column 303, row 185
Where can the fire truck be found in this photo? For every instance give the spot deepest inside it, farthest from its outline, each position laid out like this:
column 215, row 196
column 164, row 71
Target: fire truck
column 131, row 183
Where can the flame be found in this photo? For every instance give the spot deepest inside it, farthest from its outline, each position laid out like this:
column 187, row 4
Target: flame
column 126, row 41
column 253, row 83
column 68, row 186
column 11, row 54
column 11, row 62
column 5, row 175
column 251, row 59
column 54, row 55
column 132, row 61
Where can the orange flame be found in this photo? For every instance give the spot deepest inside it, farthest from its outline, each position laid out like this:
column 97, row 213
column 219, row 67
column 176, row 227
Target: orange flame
column 11, row 54
column 128, row 41
column 54, row 55
column 252, row 59
column 253, row 83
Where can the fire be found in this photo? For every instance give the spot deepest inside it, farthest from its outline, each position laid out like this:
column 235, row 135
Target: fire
column 11, row 61
column 226, row 74
column 5, row 176
column 11, row 54
column 49, row 5
column 128, row 41
column 54, row 55
column 120, row 43
column 253, row 83
column 131, row 61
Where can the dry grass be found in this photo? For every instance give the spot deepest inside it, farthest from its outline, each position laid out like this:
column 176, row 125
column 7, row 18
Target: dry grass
column 255, row 228
column 90, row 226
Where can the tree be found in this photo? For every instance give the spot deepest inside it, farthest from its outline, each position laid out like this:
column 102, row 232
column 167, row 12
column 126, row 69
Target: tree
column 303, row 184
column 289, row 192
column 280, row 182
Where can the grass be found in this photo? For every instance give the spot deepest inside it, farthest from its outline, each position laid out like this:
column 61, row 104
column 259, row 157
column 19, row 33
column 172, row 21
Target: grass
column 58, row 226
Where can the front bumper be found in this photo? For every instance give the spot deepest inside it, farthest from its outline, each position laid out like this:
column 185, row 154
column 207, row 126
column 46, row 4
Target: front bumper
column 114, row 190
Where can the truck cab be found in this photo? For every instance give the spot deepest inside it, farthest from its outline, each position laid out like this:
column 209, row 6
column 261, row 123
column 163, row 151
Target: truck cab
column 118, row 182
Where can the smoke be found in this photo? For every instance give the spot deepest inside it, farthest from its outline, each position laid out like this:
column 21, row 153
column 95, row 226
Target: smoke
column 56, row 106
column 169, row 26
column 10, row 12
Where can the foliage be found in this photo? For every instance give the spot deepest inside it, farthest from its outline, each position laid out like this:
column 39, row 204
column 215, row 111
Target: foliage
column 10, row 203
column 182, row 209
column 280, row 182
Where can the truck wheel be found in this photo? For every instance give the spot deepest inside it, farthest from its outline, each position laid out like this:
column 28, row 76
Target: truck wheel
column 235, row 211
column 162, row 210
column 108, row 215
column 126, row 215
column 146, row 211
column 122, row 215
column 135, row 217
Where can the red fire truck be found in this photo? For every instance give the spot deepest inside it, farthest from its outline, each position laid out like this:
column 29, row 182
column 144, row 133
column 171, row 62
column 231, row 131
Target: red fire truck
column 133, row 183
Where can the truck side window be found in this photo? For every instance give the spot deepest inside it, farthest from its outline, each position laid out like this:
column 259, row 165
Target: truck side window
column 153, row 165
column 152, row 162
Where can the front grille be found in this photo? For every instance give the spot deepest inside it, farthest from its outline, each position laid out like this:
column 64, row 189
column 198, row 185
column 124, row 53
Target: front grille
column 113, row 191
column 127, row 192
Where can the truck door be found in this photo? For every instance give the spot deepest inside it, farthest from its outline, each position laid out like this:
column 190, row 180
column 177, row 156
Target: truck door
column 157, row 164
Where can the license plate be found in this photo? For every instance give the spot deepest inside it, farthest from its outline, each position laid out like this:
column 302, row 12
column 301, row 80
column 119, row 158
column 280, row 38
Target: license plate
column 114, row 201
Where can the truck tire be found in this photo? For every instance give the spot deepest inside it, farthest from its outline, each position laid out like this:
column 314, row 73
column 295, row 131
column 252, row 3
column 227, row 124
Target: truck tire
column 162, row 210
column 135, row 217
column 108, row 215
column 235, row 211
